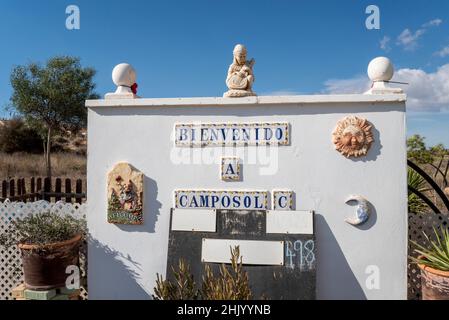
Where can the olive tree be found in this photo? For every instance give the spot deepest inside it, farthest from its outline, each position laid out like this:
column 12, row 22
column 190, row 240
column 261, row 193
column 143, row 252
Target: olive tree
column 51, row 97
column 417, row 150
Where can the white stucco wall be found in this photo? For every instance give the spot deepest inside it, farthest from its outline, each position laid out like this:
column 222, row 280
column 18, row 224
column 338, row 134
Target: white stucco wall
column 124, row 260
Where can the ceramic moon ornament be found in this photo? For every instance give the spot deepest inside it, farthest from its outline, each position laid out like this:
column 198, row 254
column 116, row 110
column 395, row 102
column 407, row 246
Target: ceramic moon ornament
column 362, row 210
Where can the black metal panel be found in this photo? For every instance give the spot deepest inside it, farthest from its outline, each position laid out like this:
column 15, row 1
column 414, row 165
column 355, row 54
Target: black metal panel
column 247, row 223
column 296, row 279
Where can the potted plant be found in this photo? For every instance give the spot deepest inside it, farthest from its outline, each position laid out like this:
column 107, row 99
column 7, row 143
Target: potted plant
column 434, row 264
column 49, row 243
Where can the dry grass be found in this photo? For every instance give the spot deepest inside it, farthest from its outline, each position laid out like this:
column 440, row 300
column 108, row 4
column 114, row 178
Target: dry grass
column 23, row 165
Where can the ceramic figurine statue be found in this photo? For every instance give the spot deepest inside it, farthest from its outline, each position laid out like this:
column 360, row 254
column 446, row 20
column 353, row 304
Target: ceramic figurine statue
column 240, row 77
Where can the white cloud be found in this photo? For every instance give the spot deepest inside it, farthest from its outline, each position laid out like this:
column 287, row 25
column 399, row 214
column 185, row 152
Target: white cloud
column 409, row 39
column 282, row 92
column 384, row 43
column 443, row 52
column 432, row 23
column 426, row 92
column 358, row 84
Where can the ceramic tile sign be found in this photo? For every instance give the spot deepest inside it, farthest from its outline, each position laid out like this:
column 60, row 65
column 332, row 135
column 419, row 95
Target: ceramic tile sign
column 125, row 195
column 219, row 199
column 283, row 200
column 232, row 134
column 230, row 169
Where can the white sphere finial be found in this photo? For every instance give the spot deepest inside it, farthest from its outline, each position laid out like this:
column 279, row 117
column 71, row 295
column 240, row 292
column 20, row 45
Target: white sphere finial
column 124, row 75
column 380, row 69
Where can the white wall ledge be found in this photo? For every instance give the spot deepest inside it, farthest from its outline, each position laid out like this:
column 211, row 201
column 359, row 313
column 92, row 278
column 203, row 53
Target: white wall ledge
column 260, row 100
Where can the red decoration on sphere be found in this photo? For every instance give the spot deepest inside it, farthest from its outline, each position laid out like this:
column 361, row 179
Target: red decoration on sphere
column 134, row 88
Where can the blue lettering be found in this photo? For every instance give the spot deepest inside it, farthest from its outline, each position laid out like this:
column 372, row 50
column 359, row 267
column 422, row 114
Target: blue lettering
column 204, row 201
column 245, row 134
column 256, row 202
column 279, row 133
column 180, row 201
column 214, row 200
column 247, row 202
column 194, row 203
column 236, row 201
column 230, row 169
column 224, row 133
column 282, row 204
column 213, row 134
column 227, row 203
column 235, row 134
column 182, row 134
column 268, row 134
column 203, row 137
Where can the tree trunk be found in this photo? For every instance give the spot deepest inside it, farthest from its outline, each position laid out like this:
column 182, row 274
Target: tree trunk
column 44, row 143
column 48, row 153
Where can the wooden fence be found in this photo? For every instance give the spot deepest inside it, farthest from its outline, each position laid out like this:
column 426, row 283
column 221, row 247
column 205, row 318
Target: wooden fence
column 34, row 189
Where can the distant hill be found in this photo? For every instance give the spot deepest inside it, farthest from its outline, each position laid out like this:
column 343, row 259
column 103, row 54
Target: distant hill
column 75, row 142
column 66, row 141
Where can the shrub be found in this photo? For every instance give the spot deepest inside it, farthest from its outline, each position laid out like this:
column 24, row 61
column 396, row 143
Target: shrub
column 436, row 255
column 182, row 289
column 230, row 284
column 16, row 136
column 415, row 203
column 43, row 228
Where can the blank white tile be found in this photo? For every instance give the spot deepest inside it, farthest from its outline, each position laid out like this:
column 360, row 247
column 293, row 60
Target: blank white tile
column 270, row 253
column 290, row 222
column 194, row 220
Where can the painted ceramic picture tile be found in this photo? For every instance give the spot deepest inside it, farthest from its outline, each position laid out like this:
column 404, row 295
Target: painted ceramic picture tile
column 125, row 195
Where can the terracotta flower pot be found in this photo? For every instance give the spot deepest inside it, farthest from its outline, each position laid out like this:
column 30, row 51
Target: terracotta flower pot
column 434, row 283
column 44, row 267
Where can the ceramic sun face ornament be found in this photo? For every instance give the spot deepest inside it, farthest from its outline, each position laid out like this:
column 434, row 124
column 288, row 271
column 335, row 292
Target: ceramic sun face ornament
column 353, row 137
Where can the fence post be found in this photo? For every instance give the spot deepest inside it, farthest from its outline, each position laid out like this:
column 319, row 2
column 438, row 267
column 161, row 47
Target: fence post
column 47, row 188
column 19, row 188
column 4, row 189
column 68, row 189
column 39, row 189
column 79, row 190
column 24, row 191
column 58, row 188
column 33, row 189
column 12, row 192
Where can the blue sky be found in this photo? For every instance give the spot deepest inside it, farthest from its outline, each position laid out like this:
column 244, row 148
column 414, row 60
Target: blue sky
column 183, row 48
